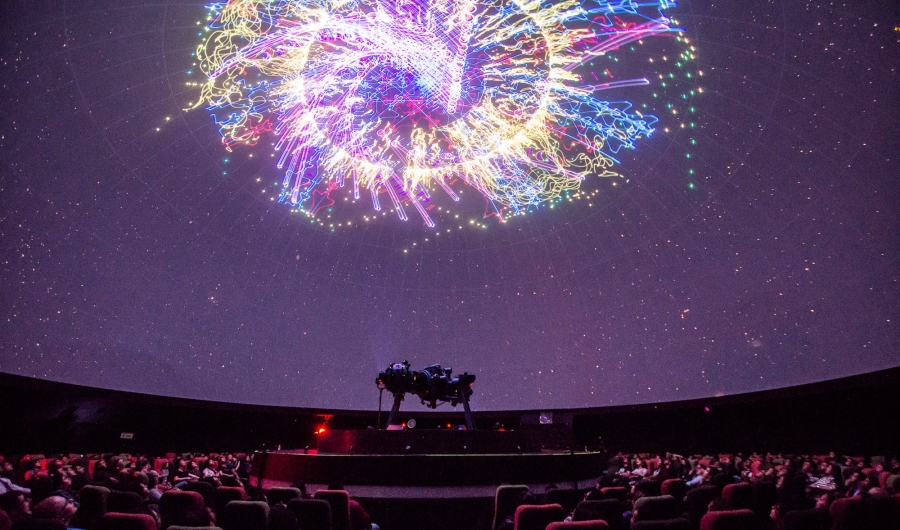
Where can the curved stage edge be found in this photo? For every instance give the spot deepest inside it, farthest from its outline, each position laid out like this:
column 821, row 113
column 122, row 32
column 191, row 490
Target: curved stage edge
column 424, row 475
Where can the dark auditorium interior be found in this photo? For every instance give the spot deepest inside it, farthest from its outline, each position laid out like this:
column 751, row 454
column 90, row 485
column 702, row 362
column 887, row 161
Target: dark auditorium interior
column 450, row 265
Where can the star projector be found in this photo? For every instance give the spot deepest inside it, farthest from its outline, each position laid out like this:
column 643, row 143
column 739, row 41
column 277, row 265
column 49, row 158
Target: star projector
column 431, row 384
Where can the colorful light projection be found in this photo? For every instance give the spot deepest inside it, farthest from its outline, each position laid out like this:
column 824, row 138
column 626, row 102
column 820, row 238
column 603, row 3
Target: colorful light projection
column 402, row 97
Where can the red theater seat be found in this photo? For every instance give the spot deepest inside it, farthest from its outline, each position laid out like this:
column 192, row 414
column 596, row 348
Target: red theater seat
column 176, row 507
column 847, row 513
column 674, row 487
column 127, row 521
column 537, row 517
column 619, row 493
column 732, row 520
column 882, row 479
column 340, row 507
column 738, row 496
column 225, row 494
column 578, row 525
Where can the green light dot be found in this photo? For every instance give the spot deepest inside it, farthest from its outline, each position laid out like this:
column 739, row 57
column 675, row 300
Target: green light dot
column 691, row 185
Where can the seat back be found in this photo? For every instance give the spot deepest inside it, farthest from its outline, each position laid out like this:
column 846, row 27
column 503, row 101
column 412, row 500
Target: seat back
column 847, row 513
column 732, row 520
column 178, row 527
column 807, row 520
column 92, row 506
column 124, row 502
column 246, row 515
column 609, row 510
column 738, row 496
column 39, row 524
column 566, row 497
column 127, row 521
column 674, row 487
column 579, row 525
column 205, row 489
column 177, row 507
column 340, row 507
column 618, row 492
column 312, row 514
column 698, row 500
column 666, row 524
column 5, row 522
column 225, row 494
column 506, row 499
column 282, row 495
column 537, row 517
column 656, row 508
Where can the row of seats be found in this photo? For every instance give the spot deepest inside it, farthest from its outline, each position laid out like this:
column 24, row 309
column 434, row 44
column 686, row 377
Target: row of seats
column 746, row 507
column 100, row 508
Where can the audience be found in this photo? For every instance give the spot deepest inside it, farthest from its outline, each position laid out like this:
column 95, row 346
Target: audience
column 784, row 491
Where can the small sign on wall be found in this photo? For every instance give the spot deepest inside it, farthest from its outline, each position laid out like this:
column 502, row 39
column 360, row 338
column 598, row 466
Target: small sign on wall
column 126, row 435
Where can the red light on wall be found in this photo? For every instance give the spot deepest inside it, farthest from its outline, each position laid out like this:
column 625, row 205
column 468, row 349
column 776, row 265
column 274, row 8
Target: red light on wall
column 320, row 430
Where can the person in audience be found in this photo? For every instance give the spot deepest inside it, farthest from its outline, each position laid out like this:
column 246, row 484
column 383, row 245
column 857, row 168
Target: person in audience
column 7, row 479
column 16, row 506
column 55, row 508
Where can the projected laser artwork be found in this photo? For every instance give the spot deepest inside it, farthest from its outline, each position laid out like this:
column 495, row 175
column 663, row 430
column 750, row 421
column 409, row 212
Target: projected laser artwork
column 406, row 98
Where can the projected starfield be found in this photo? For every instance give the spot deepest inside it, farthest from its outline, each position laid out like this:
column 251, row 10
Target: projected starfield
column 589, row 203
column 401, row 100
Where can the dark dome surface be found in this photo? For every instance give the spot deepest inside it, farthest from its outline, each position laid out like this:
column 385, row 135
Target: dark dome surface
column 751, row 244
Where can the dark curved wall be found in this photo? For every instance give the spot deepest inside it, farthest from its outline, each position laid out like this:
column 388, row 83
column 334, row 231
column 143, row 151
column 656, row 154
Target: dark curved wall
column 856, row 415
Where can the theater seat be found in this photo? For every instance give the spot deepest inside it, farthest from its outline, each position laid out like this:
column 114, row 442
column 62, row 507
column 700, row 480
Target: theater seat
column 667, row 524
column 124, row 502
column 732, row 520
column 312, row 514
column 225, row 494
column 674, row 487
column 656, row 508
column 340, row 507
column 246, row 515
column 847, row 513
column 176, row 507
column 93, row 506
column 807, row 520
column 566, row 497
column 619, row 493
column 127, row 521
column 506, row 499
column 282, row 495
column 609, row 510
column 578, row 525
column 698, row 500
column 205, row 489
column 39, row 524
column 537, row 517
column 176, row 527
column 738, row 496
